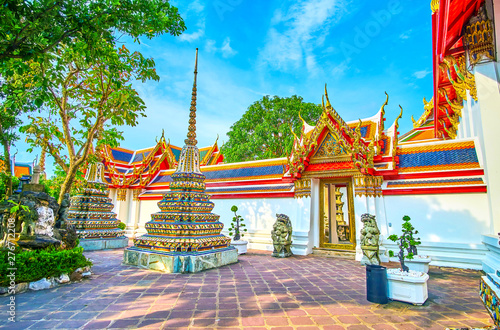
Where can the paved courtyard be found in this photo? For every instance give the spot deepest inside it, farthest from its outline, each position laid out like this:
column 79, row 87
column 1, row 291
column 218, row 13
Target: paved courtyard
column 259, row 292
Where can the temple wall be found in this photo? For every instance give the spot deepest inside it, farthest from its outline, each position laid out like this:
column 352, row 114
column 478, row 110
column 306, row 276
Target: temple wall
column 260, row 215
column 450, row 226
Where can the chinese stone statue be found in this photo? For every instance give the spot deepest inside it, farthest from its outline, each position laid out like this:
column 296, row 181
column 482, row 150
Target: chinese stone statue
column 370, row 240
column 282, row 236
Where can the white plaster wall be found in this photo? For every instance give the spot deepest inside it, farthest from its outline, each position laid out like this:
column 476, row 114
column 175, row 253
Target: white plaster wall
column 260, row 215
column 145, row 209
column 449, row 225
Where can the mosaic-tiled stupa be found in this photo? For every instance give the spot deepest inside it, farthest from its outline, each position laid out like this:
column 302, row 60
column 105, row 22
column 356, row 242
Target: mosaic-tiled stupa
column 184, row 237
column 90, row 213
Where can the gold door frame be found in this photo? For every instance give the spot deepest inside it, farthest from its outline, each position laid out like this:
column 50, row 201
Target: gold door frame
column 350, row 212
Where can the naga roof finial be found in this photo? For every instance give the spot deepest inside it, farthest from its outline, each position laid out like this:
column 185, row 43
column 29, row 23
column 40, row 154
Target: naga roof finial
column 328, row 104
column 191, row 136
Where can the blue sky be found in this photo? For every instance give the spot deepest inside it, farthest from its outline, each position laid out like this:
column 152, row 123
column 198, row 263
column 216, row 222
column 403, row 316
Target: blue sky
column 248, row 49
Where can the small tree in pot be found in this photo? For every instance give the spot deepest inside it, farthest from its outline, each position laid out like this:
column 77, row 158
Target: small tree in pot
column 407, row 243
column 236, row 224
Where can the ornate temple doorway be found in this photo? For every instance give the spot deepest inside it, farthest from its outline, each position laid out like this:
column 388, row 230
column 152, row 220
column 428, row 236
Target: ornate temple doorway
column 336, row 224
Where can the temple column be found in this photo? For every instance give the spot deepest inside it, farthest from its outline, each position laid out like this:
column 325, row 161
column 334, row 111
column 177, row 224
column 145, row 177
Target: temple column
column 361, row 206
column 141, row 224
column 315, row 214
column 487, row 114
column 133, row 208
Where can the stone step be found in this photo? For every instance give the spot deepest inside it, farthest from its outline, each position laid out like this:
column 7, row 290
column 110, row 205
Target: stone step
column 330, row 253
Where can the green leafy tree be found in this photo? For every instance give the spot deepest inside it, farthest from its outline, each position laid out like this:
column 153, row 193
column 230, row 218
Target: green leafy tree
column 30, row 29
column 5, row 180
column 85, row 102
column 35, row 32
column 15, row 95
column 54, row 183
column 264, row 130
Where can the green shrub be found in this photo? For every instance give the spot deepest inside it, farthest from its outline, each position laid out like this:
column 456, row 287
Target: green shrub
column 35, row 265
column 122, row 225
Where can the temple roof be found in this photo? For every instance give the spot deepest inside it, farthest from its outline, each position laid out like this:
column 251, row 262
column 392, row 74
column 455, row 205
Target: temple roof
column 450, row 20
column 136, row 169
column 362, row 146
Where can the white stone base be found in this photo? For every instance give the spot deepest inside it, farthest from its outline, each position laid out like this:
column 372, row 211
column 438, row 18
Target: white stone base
column 419, row 263
column 409, row 289
column 240, row 245
column 491, row 261
column 178, row 263
column 93, row 244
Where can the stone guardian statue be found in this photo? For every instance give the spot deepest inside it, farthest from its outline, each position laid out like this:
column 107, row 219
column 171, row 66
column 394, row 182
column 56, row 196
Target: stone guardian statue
column 282, row 236
column 370, row 240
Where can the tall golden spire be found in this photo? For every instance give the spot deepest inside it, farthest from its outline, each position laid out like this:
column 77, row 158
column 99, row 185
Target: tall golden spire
column 191, row 136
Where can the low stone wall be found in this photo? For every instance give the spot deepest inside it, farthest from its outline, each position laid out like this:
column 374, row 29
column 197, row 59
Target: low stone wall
column 48, row 283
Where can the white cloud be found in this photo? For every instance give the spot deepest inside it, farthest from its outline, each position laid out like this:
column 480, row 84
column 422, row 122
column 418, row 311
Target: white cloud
column 421, row 74
column 190, row 37
column 340, row 69
column 225, row 49
column 294, row 36
column 195, row 9
column 405, row 35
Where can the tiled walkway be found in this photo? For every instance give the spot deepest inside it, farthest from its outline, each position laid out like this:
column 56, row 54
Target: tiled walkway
column 259, row 292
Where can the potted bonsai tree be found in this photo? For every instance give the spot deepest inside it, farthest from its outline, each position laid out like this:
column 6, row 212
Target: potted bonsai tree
column 408, row 249
column 404, row 284
column 236, row 231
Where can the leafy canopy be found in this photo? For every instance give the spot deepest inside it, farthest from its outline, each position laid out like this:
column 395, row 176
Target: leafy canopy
column 264, row 130
column 84, row 102
column 29, row 29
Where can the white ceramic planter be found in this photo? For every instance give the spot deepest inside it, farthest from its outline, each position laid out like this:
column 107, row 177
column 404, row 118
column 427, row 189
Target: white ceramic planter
column 419, row 263
column 410, row 289
column 241, row 246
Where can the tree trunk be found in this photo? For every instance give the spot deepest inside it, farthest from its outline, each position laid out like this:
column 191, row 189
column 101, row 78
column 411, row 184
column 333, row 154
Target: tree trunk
column 8, row 169
column 68, row 182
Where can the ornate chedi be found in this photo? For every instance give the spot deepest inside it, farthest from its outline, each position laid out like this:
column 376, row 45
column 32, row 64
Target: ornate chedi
column 90, row 213
column 282, row 236
column 370, row 240
column 184, row 237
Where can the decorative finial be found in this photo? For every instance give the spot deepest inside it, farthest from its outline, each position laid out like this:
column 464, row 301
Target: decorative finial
column 328, row 104
column 191, row 136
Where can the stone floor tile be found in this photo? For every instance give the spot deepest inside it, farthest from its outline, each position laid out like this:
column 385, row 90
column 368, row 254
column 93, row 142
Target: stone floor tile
column 98, row 324
column 276, row 321
column 316, row 311
column 72, row 324
column 17, row 325
column 296, row 312
column 345, row 319
column 228, row 313
column 51, row 324
column 333, row 327
column 228, row 322
column 176, row 314
column 301, row 320
column 59, row 315
column 323, row 320
column 124, row 323
column 252, row 321
column 357, row 327
column 383, row 326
